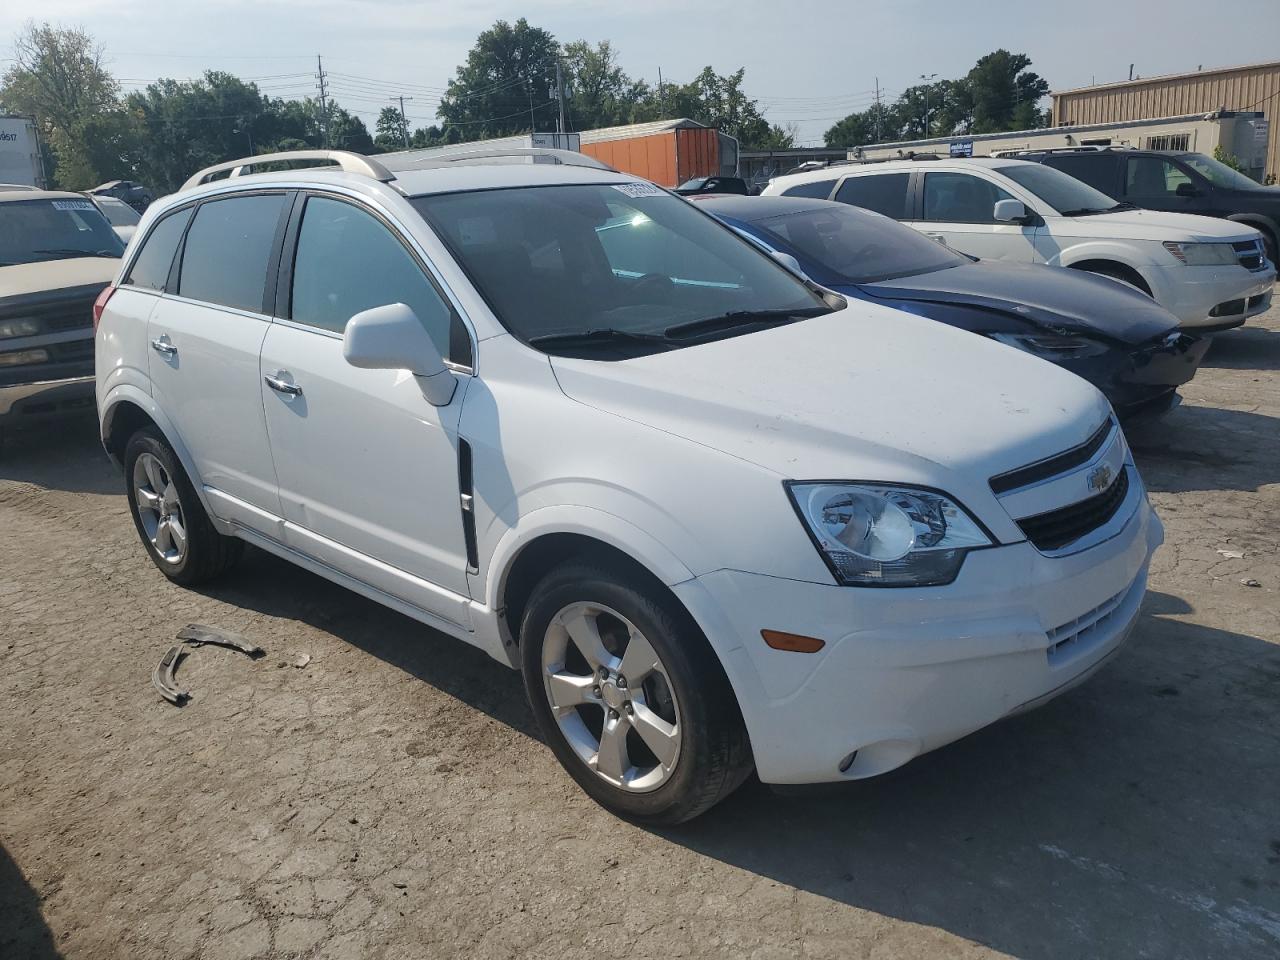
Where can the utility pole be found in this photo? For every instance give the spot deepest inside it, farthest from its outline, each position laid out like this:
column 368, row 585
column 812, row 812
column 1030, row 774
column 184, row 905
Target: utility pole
column 404, row 120
column 927, row 80
column 878, row 110
column 321, row 78
column 560, row 92
column 662, row 99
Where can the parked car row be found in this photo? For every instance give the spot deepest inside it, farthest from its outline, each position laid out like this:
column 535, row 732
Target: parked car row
column 732, row 481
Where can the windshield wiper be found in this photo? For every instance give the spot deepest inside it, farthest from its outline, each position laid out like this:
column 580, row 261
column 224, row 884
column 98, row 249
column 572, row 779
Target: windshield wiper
column 741, row 318
column 600, row 335
column 74, row 252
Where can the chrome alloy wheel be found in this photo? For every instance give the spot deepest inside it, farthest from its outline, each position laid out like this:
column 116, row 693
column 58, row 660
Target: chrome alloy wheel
column 159, row 509
column 611, row 696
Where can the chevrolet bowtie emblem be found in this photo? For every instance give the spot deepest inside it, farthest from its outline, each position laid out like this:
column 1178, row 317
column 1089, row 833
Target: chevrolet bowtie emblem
column 1100, row 478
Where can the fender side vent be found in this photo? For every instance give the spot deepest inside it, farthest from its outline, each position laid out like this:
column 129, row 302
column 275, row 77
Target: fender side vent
column 468, row 505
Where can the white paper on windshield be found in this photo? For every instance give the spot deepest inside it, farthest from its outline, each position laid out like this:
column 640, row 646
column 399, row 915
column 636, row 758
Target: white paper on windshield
column 634, row 190
column 73, row 205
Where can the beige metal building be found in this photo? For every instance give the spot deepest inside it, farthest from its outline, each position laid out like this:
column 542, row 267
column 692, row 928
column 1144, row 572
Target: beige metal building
column 1253, row 87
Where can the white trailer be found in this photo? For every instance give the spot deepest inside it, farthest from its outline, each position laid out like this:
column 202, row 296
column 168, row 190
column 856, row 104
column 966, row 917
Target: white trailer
column 20, row 161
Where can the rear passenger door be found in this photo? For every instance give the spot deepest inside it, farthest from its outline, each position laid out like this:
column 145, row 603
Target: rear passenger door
column 204, row 338
column 368, row 469
column 957, row 207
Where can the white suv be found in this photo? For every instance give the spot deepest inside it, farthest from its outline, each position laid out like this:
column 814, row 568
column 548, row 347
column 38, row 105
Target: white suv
column 717, row 515
column 1211, row 274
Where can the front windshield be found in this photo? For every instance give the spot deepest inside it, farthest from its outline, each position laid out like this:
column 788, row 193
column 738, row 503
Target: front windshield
column 1218, row 173
column 118, row 212
column 615, row 262
column 57, row 229
column 1067, row 195
column 842, row 244
column 693, row 184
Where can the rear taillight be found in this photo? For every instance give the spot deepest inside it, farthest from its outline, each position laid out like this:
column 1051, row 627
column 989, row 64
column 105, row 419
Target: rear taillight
column 101, row 304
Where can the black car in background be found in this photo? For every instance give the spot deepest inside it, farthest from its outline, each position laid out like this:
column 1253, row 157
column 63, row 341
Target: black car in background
column 1177, row 182
column 1117, row 338
column 130, row 191
column 735, row 185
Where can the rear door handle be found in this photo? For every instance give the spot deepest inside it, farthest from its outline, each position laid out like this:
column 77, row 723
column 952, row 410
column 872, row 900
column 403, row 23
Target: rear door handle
column 164, row 346
column 274, row 381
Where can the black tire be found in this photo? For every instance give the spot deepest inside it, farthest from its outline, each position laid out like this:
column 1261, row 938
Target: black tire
column 209, row 554
column 714, row 756
column 1270, row 245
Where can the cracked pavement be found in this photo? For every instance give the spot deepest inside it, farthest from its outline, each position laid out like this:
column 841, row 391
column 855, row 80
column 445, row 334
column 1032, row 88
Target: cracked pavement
column 391, row 799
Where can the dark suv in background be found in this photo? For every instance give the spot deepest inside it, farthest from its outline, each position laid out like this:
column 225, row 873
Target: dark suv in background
column 1173, row 181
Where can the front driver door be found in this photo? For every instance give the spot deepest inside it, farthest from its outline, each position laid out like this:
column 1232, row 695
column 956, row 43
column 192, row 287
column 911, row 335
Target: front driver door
column 368, row 469
column 957, row 208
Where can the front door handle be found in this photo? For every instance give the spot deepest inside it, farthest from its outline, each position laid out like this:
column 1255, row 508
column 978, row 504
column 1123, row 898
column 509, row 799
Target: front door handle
column 164, row 346
column 282, row 386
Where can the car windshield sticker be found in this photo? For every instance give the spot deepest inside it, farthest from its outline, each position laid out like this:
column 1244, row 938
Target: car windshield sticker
column 72, row 205
column 634, row 190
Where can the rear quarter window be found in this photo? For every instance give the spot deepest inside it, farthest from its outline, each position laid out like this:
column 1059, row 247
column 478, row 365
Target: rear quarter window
column 150, row 269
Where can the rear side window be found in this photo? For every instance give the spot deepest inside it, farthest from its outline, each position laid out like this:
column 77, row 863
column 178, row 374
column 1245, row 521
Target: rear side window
column 228, row 246
column 150, row 268
column 1098, row 170
column 348, row 261
column 820, row 189
column 886, row 193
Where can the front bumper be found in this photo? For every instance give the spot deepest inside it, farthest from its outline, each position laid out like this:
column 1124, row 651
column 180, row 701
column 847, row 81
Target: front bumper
column 906, row 671
column 46, row 399
column 1192, row 294
column 1143, row 381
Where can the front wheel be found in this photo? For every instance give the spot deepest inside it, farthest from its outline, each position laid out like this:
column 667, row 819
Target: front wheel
column 629, row 694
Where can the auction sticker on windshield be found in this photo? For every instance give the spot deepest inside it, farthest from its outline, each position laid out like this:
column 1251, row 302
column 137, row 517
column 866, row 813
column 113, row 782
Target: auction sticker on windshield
column 634, row 190
column 72, row 205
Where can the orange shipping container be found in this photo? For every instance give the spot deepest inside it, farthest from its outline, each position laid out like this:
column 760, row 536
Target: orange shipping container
column 667, row 152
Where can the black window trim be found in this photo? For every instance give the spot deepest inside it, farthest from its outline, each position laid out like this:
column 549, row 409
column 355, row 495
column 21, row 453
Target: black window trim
column 287, row 252
column 173, row 289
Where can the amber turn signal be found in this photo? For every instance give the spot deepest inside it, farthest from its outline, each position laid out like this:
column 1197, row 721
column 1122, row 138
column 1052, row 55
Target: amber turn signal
column 793, row 642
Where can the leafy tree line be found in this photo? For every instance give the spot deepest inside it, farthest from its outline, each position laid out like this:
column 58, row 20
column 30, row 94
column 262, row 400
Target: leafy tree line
column 93, row 132
column 999, row 93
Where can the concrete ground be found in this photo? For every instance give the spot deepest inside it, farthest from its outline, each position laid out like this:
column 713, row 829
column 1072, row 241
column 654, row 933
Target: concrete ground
column 391, row 799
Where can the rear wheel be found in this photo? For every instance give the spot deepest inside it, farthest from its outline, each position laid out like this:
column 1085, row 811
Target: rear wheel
column 629, row 695
column 170, row 519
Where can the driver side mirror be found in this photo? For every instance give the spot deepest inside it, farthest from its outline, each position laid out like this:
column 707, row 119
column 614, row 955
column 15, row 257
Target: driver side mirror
column 392, row 338
column 1186, row 189
column 1010, row 211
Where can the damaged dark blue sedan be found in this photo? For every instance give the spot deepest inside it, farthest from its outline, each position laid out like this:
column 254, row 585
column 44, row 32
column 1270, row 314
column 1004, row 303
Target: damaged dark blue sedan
column 1112, row 335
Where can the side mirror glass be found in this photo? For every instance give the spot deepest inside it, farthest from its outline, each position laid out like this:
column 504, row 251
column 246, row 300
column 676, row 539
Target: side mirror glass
column 1010, row 211
column 1187, row 189
column 392, row 338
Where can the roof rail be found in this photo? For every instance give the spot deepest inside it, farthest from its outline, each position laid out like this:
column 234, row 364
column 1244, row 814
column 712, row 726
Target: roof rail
column 1087, row 148
column 570, row 158
column 345, row 160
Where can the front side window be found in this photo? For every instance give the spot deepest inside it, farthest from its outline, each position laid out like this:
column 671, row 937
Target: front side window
column 884, row 193
column 961, row 198
column 609, row 260
column 150, row 268
column 1153, row 177
column 844, row 245
column 1065, row 194
column 224, row 260
column 54, row 229
column 348, row 261
column 819, row 189
column 1217, row 172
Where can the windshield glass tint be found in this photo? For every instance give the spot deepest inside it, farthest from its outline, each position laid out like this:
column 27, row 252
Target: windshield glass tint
column 35, row 230
column 1218, row 173
column 1064, row 193
column 562, row 260
column 118, row 212
column 838, row 244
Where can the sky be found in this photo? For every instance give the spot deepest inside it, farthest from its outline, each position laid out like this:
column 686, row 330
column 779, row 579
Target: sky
column 808, row 63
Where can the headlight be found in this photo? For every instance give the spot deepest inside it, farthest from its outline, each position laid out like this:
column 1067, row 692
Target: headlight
column 22, row 327
column 18, row 358
column 1203, row 254
column 876, row 535
column 1051, row 346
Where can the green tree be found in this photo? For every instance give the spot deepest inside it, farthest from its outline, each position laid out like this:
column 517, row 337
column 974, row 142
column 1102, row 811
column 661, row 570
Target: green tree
column 391, row 130
column 1005, row 95
column 599, row 93
column 876, row 124
column 59, row 78
column 509, row 76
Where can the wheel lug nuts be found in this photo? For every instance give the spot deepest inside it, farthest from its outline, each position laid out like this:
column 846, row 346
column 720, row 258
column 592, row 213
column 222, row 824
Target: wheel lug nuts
column 621, row 681
column 596, row 691
column 613, row 714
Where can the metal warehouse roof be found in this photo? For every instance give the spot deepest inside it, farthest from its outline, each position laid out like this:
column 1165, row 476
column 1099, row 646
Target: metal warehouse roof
column 631, row 130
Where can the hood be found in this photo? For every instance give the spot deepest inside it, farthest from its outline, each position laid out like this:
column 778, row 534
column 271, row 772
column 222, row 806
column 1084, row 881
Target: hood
column 1151, row 225
column 864, row 393
column 1052, row 298
column 51, row 275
